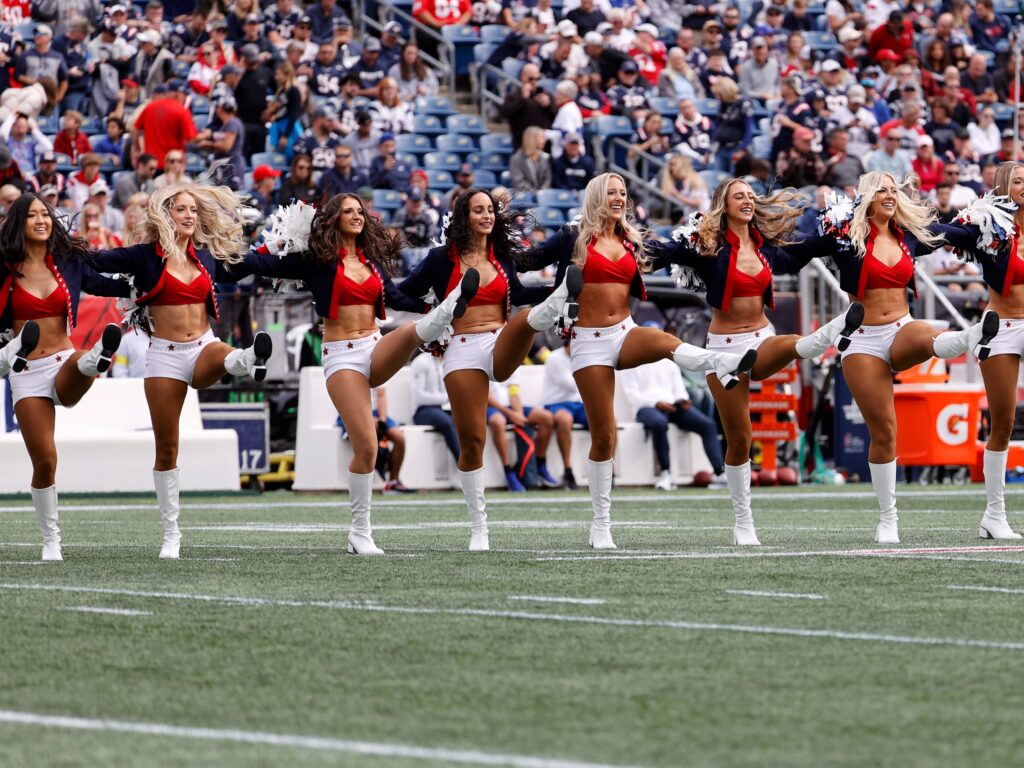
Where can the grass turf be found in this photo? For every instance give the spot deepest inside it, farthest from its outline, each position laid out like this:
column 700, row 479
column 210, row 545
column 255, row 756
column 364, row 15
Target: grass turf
column 426, row 647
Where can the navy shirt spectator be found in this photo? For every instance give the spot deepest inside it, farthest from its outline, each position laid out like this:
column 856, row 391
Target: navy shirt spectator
column 391, row 44
column 586, row 17
column 322, row 16
column 630, row 95
column 572, row 169
column 988, row 28
column 386, row 170
column 281, row 18
column 319, row 141
column 72, row 47
column 368, row 68
column 342, row 177
column 328, row 72
column 186, row 39
column 263, row 180
column 42, row 61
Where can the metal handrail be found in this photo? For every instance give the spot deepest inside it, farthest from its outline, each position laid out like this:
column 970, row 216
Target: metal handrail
column 482, row 74
column 444, row 64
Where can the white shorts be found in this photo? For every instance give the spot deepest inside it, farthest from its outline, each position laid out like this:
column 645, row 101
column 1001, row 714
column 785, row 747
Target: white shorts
column 876, row 340
column 352, row 355
column 38, row 377
column 1009, row 340
column 738, row 342
column 175, row 359
column 598, row 346
column 471, row 351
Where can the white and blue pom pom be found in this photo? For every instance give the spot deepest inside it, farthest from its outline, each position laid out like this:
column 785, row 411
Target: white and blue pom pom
column 287, row 229
column 994, row 217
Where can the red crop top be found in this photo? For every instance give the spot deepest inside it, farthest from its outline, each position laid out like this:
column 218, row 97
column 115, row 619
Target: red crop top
column 495, row 292
column 598, row 268
column 174, row 293
column 744, row 285
column 26, row 306
column 350, row 293
column 1015, row 268
column 883, row 276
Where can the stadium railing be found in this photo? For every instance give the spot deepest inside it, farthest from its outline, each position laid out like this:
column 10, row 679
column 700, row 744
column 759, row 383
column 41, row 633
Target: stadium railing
column 443, row 64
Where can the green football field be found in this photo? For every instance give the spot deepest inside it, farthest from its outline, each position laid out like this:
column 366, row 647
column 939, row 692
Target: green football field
column 266, row 645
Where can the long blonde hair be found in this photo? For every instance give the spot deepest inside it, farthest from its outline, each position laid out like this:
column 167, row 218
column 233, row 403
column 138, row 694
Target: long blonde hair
column 593, row 216
column 218, row 228
column 775, row 217
column 1004, row 174
column 910, row 215
column 680, row 168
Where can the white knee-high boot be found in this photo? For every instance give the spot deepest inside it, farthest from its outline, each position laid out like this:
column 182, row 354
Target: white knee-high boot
column 838, row 328
column 738, row 479
column 251, row 361
column 974, row 339
column 168, row 493
column 360, row 537
column 883, row 479
column 45, row 502
column 561, row 304
column 433, row 325
column 993, row 522
column 725, row 365
column 14, row 354
column 599, row 478
column 473, row 489
column 98, row 359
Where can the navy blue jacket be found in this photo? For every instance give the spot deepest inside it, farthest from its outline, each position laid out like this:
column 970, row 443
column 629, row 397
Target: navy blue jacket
column 74, row 277
column 558, row 249
column 995, row 268
column 716, row 272
column 146, row 263
column 435, row 273
column 323, row 280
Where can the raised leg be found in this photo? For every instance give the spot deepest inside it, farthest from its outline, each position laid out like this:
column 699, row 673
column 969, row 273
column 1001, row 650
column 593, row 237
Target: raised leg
column 913, row 345
column 513, row 345
column 392, row 352
column 773, row 355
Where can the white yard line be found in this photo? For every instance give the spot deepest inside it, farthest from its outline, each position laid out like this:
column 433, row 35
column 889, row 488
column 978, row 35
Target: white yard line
column 979, row 588
column 749, row 554
column 321, row 743
column 111, row 611
column 759, row 593
column 825, row 634
column 570, row 600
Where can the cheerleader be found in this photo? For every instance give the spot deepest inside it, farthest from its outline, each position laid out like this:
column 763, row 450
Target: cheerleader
column 1003, row 270
column 346, row 266
column 188, row 235
column 42, row 271
column 485, row 345
column 874, row 243
column 607, row 246
column 732, row 253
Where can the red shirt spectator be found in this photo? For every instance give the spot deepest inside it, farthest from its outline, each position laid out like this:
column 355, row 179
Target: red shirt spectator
column 897, row 35
column 442, row 13
column 649, row 53
column 926, row 165
column 71, row 141
column 164, row 125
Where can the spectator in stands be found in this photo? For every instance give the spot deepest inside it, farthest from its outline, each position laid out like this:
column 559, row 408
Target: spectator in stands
column 772, row 29
column 963, row 105
column 237, row 17
column 693, row 133
column 504, row 407
column 72, row 47
column 896, row 35
column 204, row 69
column 348, row 49
column 561, row 398
column 591, row 100
column 319, row 141
column 562, row 58
column 926, row 165
column 808, row 221
column 859, row 123
column 263, row 180
column 907, row 127
column 985, row 133
column 364, row 142
column 572, row 169
column 586, row 16
column 302, row 36
column 717, row 66
column 735, row 125
column 25, row 141
column 30, row 101
column 1004, row 78
column 568, row 117
column 47, row 175
column 527, row 105
column 1006, row 148
column 890, row 158
column 139, row 180
column 630, row 96
column 369, row 68
column 93, row 229
column 414, row 77
column 298, row 184
column 79, row 182
column 71, row 141
column 941, row 127
column 284, row 110
column 41, row 61
column 796, row 18
column 800, row 166
column 678, row 80
column 681, row 182
column 113, row 143
column 251, row 101
column 418, row 179
column 390, row 113
column 388, row 171
column 649, row 138
column 699, row 14
column 390, row 45
column 322, row 16
column 174, row 170
column 153, row 64
column 441, row 13
column 831, row 77
column 99, row 195
column 604, row 59
column 464, row 178
column 735, row 35
column 843, row 169
column 649, row 53
column 960, row 196
column 227, row 143
column 281, row 18
column 530, row 166
column 188, row 36
column 326, row 72
column 979, row 81
column 224, row 51
column 989, row 29
column 417, row 222
column 343, row 177
column 658, row 396
column 759, row 77
column 429, row 399
column 878, row 107
column 164, row 124
column 389, row 463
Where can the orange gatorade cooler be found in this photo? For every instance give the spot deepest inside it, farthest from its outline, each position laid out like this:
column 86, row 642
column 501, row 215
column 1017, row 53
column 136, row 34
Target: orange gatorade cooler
column 937, row 424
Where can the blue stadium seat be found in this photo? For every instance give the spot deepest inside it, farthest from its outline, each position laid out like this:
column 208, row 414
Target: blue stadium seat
column 713, row 178
column 440, row 181
column 200, row 105
column 496, row 142
column 708, row 107
column 198, row 164
column 613, row 125
column 761, row 146
column 413, row 143
column 547, row 84
column 573, row 213
column 665, row 105
column 494, row 33
column 512, row 67
column 549, row 217
column 386, row 199
column 664, row 231
column 49, row 124
column 482, row 52
column 1003, row 112
column 557, row 198
column 275, row 160
column 429, row 125
column 434, row 105
column 1006, row 7
column 443, row 161
column 469, row 125
column 524, row 199
column 201, row 120
column 493, row 161
column 465, row 38
column 820, row 41
column 485, row 179
column 455, row 142
column 473, row 158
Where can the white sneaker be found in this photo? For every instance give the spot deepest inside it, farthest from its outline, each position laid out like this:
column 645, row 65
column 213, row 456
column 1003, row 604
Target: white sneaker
column 664, row 482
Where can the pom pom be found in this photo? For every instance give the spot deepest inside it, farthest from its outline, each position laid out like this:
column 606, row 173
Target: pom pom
column 687, row 278
column 287, row 229
column 135, row 316
column 837, row 217
column 687, row 233
column 446, row 222
column 994, row 217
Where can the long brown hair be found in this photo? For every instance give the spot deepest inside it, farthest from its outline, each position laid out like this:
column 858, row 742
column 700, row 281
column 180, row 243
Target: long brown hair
column 775, row 218
column 418, row 67
column 379, row 244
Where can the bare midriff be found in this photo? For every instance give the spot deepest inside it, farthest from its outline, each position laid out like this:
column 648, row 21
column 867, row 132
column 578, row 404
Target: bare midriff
column 745, row 315
column 1008, row 307
column 53, row 336
column 483, row 319
column 353, row 322
column 184, row 322
column 603, row 304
